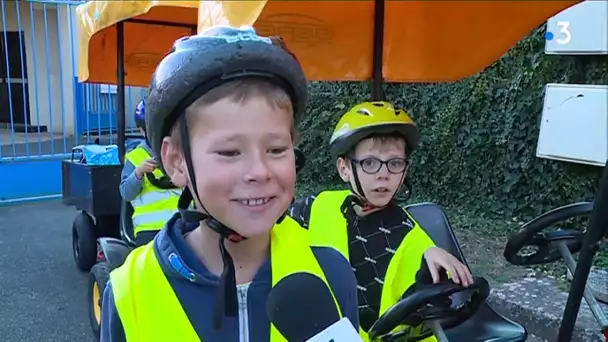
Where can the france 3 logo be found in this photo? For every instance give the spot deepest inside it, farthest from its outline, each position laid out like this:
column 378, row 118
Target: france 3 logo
column 564, row 36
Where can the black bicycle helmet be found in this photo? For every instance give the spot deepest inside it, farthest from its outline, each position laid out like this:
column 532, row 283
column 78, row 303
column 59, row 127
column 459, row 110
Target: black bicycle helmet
column 194, row 66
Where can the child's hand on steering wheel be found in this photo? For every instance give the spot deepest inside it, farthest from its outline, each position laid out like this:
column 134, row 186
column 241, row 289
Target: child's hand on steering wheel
column 438, row 259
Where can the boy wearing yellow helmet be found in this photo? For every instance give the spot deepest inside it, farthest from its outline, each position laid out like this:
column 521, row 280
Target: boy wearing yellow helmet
column 372, row 144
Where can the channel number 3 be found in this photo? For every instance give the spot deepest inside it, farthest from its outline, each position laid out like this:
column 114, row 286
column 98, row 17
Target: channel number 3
column 564, row 28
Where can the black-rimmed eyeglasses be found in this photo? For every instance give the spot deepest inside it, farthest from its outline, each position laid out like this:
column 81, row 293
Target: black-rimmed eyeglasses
column 373, row 165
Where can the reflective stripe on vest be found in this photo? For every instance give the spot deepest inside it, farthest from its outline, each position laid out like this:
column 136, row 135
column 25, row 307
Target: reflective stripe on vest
column 153, row 207
column 153, row 219
column 329, row 228
column 149, row 309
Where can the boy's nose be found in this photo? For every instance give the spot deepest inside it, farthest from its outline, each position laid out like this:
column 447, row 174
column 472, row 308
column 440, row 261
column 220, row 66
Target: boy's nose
column 383, row 173
column 259, row 171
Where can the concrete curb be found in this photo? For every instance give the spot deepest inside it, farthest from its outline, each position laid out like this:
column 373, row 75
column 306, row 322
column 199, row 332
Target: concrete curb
column 538, row 304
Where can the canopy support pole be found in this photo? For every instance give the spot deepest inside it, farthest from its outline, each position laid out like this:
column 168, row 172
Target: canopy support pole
column 596, row 230
column 378, row 51
column 120, row 107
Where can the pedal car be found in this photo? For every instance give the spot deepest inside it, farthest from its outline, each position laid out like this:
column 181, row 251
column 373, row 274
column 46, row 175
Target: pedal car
column 549, row 245
column 469, row 318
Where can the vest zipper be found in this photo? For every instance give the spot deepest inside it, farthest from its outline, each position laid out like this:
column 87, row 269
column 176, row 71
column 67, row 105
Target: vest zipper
column 243, row 314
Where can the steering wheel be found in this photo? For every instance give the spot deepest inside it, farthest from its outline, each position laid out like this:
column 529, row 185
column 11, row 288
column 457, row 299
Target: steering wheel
column 417, row 307
column 531, row 234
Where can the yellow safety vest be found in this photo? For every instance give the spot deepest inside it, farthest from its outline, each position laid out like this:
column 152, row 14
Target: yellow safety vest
column 153, row 207
column 328, row 228
column 150, row 310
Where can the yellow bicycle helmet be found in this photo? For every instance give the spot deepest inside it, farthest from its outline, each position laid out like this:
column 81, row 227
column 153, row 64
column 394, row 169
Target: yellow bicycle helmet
column 369, row 118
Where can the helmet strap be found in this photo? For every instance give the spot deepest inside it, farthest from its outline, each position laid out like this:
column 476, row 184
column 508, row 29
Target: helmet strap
column 358, row 189
column 226, row 300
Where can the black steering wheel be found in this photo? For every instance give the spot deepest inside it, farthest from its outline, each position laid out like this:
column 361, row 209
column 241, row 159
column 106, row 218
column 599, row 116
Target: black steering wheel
column 417, row 307
column 531, row 235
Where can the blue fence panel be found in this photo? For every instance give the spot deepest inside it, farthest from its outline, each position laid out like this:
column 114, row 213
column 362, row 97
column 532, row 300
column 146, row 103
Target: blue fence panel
column 44, row 110
column 97, row 114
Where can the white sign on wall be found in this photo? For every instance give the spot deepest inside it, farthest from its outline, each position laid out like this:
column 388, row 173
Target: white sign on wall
column 574, row 124
column 579, row 30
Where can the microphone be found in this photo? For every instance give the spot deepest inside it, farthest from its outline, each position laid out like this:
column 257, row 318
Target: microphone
column 303, row 309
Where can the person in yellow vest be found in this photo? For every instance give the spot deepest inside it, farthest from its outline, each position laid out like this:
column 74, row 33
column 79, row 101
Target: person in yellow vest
column 152, row 206
column 221, row 113
column 372, row 144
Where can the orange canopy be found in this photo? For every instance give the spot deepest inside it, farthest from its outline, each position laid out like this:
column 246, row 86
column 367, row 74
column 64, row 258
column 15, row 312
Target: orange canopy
column 424, row 41
column 150, row 28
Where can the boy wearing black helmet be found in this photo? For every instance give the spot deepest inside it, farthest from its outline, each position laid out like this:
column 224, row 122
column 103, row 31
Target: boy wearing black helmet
column 222, row 108
column 152, row 205
column 371, row 145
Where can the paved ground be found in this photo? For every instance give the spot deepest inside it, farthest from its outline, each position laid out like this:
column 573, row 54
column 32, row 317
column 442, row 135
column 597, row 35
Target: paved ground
column 42, row 294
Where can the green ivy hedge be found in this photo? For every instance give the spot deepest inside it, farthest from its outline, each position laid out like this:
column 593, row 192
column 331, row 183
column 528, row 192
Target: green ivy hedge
column 479, row 135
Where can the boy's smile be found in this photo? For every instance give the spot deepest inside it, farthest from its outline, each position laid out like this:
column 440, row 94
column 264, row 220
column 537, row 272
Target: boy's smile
column 256, row 205
column 244, row 162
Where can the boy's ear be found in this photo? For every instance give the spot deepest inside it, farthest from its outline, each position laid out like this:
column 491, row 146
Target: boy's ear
column 343, row 169
column 173, row 163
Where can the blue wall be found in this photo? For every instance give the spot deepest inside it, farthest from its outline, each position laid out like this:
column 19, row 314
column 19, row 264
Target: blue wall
column 39, row 178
